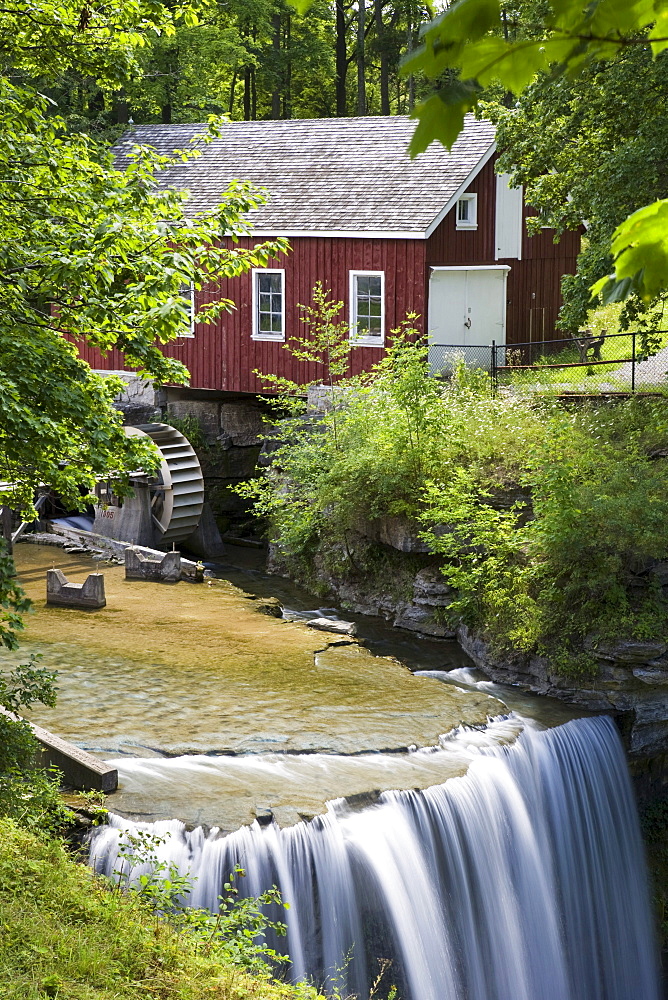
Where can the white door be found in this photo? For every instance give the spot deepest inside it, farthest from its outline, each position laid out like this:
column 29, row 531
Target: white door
column 467, row 311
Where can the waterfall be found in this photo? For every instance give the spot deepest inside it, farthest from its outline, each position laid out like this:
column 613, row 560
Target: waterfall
column 522, row 880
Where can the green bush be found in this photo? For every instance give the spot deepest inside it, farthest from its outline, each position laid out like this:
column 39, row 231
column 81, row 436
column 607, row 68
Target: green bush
column 28, row 793
column 544, row 517
column 65, row 935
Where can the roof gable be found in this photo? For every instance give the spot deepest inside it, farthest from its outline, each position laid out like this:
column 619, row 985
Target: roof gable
column 345, row 176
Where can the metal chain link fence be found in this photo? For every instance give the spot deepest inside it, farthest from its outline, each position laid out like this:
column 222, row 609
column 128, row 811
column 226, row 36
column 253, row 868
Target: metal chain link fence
column 588, row 364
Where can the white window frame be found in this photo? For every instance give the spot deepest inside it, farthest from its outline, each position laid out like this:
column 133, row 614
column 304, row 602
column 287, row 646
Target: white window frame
column 472, row 221
column 256, row 333
column 366, row 341
column 189, row 332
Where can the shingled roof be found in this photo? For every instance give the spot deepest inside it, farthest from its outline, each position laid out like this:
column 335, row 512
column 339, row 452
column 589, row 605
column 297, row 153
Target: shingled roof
column 344, row 176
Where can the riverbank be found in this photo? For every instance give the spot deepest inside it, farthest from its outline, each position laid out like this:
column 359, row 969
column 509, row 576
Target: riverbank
column 65, row 934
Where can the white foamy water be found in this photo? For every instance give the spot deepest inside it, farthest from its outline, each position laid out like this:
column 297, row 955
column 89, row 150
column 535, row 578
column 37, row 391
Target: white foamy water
column 523, row 879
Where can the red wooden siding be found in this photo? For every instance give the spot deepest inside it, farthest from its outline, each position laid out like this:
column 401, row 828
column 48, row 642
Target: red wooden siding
column 449, row 245
column 534, row 283
column 223, row 356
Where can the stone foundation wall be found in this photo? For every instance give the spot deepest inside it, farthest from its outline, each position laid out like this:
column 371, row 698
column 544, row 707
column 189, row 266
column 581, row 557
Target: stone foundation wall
column 232, row 436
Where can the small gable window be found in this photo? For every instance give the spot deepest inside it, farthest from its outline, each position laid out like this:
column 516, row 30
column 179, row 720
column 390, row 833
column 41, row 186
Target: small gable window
column 467, row 212
column 367, row 307
column 269, row 304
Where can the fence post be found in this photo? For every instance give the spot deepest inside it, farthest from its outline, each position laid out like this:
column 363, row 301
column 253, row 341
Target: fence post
column 633, row 361
column 492, row 369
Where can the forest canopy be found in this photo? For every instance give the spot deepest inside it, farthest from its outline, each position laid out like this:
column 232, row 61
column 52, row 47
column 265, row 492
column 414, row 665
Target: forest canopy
column 575, row 80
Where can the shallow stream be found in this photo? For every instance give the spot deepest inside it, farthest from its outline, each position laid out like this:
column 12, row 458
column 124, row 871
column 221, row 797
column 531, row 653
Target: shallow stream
column 412, row 813
column 213, row 711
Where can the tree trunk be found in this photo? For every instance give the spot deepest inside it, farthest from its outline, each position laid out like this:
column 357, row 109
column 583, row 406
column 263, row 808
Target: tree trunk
column 166, row 114
column 411, row 81
column 121, row 111
column 276, row 48
column 341, row 60
column 287, row 100
column 247, row 93
column 384, row 70
column 361, row 80
column 6, row 522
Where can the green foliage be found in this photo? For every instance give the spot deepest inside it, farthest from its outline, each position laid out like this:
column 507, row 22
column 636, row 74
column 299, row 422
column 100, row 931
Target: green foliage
column 28, row 793
column 28, row 683
column 64, row 934
column 640, row 248
column 191, row 428
column 363, row 455
column 554, row 574
column 469, row 49
column 90, row 252
column 541, row 516
column 13, row 601
column 235, row 934
column 578, row 158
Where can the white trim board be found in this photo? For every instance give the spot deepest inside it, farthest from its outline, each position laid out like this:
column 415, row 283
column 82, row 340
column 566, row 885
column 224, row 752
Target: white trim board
column 470, row 267
column 348, row 234
column 353, row 336
column 256, row 334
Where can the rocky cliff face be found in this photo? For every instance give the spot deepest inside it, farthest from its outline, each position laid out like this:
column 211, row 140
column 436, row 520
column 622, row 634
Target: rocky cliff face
column 631, row 681
column 406, row 586
column 632, row 677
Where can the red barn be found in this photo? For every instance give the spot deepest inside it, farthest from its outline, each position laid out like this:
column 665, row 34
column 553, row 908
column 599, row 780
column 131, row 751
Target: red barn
column 442, row 236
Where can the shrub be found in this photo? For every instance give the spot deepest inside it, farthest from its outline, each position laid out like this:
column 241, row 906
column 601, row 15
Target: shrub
column 541, row 515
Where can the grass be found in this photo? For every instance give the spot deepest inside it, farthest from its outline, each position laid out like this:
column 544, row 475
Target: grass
column 65, row 935
column 617, row 347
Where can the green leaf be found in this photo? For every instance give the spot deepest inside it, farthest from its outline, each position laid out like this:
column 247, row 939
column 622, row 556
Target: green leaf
column 441, row 116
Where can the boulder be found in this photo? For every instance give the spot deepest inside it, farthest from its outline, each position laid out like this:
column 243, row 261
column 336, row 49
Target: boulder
column 331, row 625
column 422, row 620
column 270, row 606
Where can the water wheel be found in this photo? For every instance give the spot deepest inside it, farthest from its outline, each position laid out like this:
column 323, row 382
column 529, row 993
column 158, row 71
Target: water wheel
column 177, row 493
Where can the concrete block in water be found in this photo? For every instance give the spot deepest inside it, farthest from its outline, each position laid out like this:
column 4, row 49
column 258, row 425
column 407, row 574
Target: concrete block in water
column 89, row 594
column 141, row 567
column 79, row 768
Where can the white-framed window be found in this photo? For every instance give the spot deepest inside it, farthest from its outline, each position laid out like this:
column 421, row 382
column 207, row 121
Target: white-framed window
column 367, row 307
column 268, row 304
column 467, row 212
column 188, row 293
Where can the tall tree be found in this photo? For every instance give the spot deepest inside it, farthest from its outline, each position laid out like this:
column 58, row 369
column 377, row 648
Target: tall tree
column 466, row 49
column 86, row 251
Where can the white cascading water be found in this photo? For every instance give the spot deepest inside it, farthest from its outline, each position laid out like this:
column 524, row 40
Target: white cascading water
column 522, row 880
